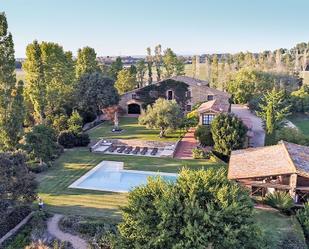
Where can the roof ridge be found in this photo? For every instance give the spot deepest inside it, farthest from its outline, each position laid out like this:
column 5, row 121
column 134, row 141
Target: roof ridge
column 291, row 162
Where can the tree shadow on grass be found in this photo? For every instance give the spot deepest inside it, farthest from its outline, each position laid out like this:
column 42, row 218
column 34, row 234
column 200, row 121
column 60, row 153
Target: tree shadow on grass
column 111, row 213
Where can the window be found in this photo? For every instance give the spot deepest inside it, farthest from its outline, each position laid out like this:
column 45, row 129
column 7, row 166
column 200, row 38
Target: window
column 170, row 95
column 210, row 97
column 188, row 94
column 188, row 108
column 134, row 96
column 207, row 119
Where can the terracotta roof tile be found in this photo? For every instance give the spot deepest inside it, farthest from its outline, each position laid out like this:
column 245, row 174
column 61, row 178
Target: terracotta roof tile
column 216, row 105
column 283, row 158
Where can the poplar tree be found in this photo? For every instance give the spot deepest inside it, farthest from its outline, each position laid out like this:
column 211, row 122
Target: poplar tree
column 86, row 62
column 149, row 60
column 158, row 61
column 141, row 70
column 36, row 86
column 8, row 91
column 115, row 68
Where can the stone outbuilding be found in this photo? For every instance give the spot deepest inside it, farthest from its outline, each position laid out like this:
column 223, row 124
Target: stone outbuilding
column 281, row 167
column 185, row 90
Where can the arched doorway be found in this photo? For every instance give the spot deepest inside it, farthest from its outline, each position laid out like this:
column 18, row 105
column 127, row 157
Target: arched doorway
column 134, row 108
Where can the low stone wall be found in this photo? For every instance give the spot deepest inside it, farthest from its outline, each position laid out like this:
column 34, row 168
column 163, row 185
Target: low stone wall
column 16, row 229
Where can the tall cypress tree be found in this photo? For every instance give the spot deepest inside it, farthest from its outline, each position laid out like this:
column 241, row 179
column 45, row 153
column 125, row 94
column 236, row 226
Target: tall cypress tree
column 7, row 87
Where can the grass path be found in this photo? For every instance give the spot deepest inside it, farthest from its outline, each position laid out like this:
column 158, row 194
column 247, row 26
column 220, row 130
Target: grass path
column 53, row 187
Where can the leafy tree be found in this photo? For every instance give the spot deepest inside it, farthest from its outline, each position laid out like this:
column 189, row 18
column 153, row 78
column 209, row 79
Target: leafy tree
column 172, row 65
column 300, row 99
column 59, row 76
column 17, row 117
column 96, row 92
column 291, row 135
column 274, row 110
column 10, row 95
column 125, row 81
column 60, row 123
column 75, row 122
column 50, row 71
column 204, row 136
column 86, row 62
column 228, row 133
column 214, row 71
column 163, row 114
column 141, row 70
column 41, row 142
column 247, row 83
column 202, row 209
column 115, row 68
column 17, row 184
column 303, row 217
column 36, row 86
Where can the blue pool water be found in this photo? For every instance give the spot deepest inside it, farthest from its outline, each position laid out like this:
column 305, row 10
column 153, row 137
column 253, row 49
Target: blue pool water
column 118, row 181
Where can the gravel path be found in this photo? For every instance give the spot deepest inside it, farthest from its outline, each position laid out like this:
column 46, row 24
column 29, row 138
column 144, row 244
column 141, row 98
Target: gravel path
column 53, row 229
column 252, row 120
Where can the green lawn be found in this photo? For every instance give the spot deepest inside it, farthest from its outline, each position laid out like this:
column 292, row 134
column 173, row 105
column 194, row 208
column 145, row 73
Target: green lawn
column 131, row 130
column 276, row 225
column 302, row 122
column 53, row 187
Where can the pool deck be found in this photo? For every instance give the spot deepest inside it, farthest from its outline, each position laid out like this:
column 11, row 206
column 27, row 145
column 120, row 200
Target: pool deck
column 115, row 167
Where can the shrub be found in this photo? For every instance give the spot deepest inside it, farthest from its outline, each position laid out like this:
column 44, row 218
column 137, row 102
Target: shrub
column 303, row 217
column 36, row 167
column 66, row 139
column 161, row 214
column 292, row 241
column 280, row 200
column 291, row 135
column 82, row 139
column 198, row 153
column 203, row 134
column 13, row 218
column 228, row 132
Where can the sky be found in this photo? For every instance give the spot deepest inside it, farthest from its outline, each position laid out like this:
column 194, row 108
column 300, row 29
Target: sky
column 128, row 27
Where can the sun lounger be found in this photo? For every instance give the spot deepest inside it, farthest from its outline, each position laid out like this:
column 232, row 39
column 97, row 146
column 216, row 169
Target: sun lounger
column 121, row 149
column 136, row 150
column 154, row 151
column 144, row 150
column 128, row 150
column 112, row 148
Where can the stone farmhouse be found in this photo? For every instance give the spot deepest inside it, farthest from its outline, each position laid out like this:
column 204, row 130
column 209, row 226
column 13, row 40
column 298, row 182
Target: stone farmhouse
column 281, row 167
column 185, row 90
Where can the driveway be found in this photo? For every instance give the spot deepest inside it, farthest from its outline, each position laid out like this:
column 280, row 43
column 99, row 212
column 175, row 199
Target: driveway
column 254, row 123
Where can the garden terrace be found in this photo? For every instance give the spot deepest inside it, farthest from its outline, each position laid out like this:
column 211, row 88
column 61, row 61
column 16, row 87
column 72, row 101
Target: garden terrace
column 53, row 184
column 132, row 130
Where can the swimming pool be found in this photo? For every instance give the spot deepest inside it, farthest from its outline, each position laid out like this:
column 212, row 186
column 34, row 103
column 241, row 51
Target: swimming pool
column 110, row 176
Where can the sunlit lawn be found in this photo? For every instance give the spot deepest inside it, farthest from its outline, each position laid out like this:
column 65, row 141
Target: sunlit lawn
column 53, row 187
column 132, row 130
